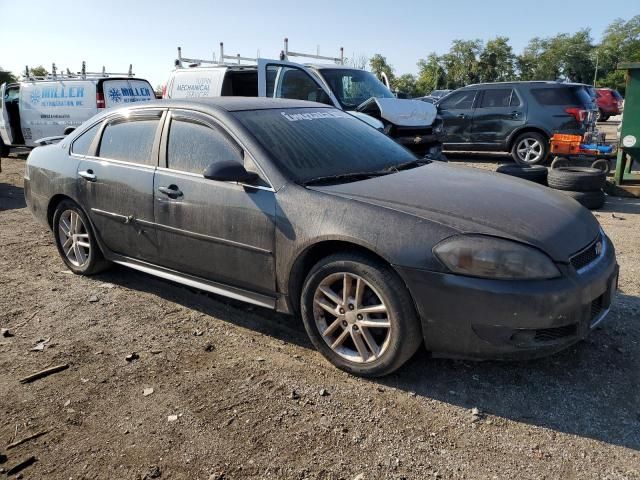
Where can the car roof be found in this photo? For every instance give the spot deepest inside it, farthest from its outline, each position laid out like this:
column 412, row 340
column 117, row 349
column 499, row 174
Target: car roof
column 232, row 104
column 550, row 83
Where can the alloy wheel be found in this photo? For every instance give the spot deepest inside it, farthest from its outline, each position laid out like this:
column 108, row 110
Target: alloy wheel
column 529, row 150
column 352, row 317
column 74, row 238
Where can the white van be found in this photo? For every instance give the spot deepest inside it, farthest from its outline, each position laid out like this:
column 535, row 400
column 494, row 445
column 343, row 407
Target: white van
column 412, row 123
column 52, row 106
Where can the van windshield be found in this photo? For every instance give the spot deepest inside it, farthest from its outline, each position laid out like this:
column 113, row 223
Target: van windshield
column 352, row 87
column 312, row 143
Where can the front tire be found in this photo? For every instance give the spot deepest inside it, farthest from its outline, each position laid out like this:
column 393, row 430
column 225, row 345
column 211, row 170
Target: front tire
column 530, row 148
column 76, row 241
column 359, row 315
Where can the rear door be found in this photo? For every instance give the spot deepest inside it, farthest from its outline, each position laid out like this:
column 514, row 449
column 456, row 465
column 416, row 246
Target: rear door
column 219, row 231
column 277, row 79
column 119, row 92
column 115, row 181
column 499, row 112
column 457, row 113
column 5, row 126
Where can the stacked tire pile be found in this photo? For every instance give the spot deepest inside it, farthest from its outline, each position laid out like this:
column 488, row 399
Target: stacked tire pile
column 583, row 184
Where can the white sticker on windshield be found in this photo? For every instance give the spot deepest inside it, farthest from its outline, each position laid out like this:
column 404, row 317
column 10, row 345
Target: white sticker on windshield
column 294, row 117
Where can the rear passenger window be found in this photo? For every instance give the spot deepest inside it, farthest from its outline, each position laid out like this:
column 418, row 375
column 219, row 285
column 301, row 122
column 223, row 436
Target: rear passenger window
column 83, row 142
column 193, row 146
column 555, row 96
column 460, row 100
column 499, row 97
column 130, row 140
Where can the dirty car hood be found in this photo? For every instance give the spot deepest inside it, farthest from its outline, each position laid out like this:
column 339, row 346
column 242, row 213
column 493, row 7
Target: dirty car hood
column 403, row 112
column 475, row 201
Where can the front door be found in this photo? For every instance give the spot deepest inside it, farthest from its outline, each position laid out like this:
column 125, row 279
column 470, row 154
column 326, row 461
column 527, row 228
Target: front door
column 277, row 79
column 115, row 182
column 498, row 113
column 218, row 231
column 457, row 113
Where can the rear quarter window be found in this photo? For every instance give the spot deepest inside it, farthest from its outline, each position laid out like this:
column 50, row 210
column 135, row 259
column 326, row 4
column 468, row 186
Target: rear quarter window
column 81, row 144
column 561, row 96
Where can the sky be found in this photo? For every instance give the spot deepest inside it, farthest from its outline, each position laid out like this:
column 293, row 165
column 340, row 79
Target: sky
column 145, row 33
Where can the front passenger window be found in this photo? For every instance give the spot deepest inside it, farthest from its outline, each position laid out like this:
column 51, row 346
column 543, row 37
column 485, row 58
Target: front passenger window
column 193, row 146
column 459, row 101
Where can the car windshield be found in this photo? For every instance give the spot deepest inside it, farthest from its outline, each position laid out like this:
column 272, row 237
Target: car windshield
column 352, row 87
column 309, row 144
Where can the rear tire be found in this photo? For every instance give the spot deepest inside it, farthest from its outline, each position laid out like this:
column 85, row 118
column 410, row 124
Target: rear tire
column 75, row 240
column 590, row 200
column 533, row 173
column 530, row 148
column 576, row 179
column 602, row 164
column 366, row 343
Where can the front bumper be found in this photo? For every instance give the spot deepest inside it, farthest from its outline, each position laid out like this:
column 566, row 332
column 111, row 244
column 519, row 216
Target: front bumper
column 465, row 317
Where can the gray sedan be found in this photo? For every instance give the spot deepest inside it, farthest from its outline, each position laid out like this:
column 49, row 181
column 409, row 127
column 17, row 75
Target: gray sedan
column 302, row 208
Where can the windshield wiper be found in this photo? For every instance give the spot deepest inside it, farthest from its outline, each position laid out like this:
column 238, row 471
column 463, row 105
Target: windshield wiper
column 418, row 162
column 355, row 176
column 346, row 177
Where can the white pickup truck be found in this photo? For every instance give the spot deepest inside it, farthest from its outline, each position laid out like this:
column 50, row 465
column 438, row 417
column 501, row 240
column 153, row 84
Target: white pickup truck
column 413, row 123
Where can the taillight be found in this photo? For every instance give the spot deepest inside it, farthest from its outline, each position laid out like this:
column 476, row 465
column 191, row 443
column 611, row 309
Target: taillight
column 578, row 113
column 164, row 91
column 100, row 100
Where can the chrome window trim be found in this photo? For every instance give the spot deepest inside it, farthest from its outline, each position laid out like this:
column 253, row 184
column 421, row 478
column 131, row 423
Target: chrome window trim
column 199, row 175
column 122, row 162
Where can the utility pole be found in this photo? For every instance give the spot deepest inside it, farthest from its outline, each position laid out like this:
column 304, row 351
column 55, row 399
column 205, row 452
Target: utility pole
column 595, row 75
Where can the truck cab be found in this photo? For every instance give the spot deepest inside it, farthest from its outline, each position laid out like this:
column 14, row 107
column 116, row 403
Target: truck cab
column 412, row 123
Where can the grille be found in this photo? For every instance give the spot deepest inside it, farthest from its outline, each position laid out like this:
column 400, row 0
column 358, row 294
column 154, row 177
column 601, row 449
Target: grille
column 551, row 334
column 586, row 256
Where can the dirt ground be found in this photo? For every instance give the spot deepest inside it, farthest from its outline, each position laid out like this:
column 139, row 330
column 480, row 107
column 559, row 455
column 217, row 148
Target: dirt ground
column 253, row 399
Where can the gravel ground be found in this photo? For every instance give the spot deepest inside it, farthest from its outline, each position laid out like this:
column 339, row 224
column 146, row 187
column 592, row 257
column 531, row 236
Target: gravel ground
column 239, row 392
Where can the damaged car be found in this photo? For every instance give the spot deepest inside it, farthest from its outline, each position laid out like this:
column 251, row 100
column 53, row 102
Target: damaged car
column 412, row 123
column 301, row 208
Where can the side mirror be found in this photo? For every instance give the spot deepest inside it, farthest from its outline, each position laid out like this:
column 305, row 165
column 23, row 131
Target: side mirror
column 229, row 171
column 68, row 130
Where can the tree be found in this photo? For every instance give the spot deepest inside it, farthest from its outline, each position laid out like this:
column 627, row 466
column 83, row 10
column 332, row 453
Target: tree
column 497, row 61
column 461, row 63
column 38, row 71
column 379, row 65
column 562, row 56
column 620, row 43
column 359, row 60
column 7, row 77
column 406, row 84
column 431, row 74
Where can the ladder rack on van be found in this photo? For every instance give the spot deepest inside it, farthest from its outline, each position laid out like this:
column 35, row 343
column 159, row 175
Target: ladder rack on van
column 220, row 61
column 83, row 74
column 286, row 53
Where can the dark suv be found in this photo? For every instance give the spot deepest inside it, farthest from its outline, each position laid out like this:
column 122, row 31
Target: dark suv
column 515, row 117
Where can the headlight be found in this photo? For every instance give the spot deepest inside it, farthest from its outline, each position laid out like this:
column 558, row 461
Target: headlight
column 490, row 257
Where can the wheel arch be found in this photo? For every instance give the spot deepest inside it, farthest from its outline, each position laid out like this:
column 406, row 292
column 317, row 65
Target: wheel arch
column 53, row 204
column 312, row 254
column 526, row 129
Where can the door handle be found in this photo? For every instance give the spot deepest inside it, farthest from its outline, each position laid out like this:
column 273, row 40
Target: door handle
column 461, row 115
column 515, row 114
column 171, row 191
column 88, row 175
